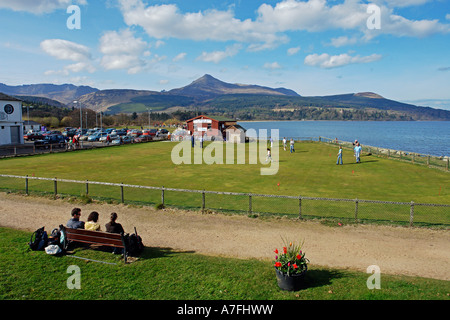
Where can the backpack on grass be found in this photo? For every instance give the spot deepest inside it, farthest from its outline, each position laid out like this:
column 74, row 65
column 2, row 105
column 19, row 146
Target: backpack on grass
column 134, row 244
column 38, row 240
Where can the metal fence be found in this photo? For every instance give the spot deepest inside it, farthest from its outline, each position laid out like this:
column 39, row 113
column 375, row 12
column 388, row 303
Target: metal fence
column 251, row 204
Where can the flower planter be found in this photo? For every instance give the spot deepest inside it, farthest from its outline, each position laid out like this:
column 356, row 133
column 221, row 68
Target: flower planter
column 293, row 282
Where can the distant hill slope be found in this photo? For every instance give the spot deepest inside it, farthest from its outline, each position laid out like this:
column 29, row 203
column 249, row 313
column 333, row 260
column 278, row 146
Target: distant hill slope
column 214, row 96
column 209, row 87
column 65, row 93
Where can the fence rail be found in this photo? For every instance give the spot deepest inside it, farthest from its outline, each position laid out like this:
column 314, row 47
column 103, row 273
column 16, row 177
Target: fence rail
column 357, row 210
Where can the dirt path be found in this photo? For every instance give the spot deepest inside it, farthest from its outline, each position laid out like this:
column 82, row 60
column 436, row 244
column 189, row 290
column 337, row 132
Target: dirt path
column 396, row 250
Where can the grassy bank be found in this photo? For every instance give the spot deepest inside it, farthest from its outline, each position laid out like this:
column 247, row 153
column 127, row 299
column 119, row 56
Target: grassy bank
column 165, row 274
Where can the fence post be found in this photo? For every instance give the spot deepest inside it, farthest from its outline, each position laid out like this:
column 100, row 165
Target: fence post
column 56, row 186
column 300, row 207
column 162, row 195
column 203, row 201
column 428, row 160
column 411, row 214
column 356, row 210
column 446, row 166
column 26, row 185
column 121, row 192
column 249, row 203
column 87, row 187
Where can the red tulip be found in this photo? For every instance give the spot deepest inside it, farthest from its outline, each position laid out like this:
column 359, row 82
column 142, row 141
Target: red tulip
column 276, row 251
column 295, row 266
column 277, row 264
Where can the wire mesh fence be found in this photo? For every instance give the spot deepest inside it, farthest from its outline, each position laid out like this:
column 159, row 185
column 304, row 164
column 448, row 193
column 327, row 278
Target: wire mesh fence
column 350, row 210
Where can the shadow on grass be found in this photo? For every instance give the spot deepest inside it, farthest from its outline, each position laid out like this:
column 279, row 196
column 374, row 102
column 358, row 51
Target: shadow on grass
column 320, row 277
column 158, row 252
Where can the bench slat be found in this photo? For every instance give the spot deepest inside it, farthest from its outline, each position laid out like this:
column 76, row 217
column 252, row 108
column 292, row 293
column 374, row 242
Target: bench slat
column 95, row 240
column 102, row 234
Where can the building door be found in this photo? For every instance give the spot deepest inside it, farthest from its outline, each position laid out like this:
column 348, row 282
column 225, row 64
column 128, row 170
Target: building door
column 15, row 135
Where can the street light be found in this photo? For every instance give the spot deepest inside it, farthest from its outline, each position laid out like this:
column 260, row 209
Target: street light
column 81, row 119
column 148, row 109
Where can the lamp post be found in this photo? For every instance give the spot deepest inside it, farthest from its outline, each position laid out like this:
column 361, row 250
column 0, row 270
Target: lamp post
column 81, row 118
column 148, row 109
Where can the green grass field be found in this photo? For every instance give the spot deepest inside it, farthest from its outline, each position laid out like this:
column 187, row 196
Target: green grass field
column 165, row 274
column 309, row 172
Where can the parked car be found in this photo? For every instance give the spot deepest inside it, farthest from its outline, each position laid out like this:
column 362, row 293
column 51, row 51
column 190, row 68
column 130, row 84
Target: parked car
column 112, row 136
column 33, row 136
column 134, row 133
column 143, row 138
column 122, row 140
column 121, row 132
column 55, row 140
column 97, row 136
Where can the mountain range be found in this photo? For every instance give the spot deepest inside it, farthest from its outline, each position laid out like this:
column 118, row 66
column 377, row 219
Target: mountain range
column 215, row 96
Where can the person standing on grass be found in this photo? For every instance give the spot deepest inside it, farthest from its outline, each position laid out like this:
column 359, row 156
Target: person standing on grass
column 292, row 145
column 269, row 156
column 358, row 150
column 339, row 158
column 284, row 143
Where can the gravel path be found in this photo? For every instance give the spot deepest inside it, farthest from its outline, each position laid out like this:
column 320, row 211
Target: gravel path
column 396, row 250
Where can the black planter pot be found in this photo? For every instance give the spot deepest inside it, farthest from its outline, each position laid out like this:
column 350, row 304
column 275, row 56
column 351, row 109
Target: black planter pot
column 291, row 282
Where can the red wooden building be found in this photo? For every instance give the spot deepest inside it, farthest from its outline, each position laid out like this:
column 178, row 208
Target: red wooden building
column 208, row 126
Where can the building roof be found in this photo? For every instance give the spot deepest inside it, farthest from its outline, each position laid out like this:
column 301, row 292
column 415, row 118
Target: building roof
column 217, row 118
column 5, row 97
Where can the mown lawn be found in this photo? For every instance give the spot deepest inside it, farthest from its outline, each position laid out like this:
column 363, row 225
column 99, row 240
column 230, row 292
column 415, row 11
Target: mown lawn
column 165, row 274
column 309, row 172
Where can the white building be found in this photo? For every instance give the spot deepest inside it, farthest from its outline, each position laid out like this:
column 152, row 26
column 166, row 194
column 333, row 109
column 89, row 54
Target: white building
column 11, row 123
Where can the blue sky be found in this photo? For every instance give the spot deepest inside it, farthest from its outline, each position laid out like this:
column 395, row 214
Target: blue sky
column 399, row 49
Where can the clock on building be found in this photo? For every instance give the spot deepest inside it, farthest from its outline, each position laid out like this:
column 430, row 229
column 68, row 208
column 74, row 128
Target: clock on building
column 9, row 109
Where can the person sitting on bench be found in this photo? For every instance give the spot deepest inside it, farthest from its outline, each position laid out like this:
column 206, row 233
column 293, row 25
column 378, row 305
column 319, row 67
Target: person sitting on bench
column 114, row 227
column 92, row 222
column 75, row 222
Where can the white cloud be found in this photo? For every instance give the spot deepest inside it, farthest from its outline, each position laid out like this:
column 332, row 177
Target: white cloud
column 272, row 66
column 327, row 61
column 342, row 41
column 292, row 51
column 267, row 30
column 66, row 50
column 447, row 16
column 38, row 6
column 217, row 56
column 179, row 57
column 123, row 51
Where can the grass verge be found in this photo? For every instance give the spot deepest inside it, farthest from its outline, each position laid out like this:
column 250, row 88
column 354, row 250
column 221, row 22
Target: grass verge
column 166, row 274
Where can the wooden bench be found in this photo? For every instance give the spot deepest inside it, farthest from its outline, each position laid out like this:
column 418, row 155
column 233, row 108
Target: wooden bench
column 96, row 238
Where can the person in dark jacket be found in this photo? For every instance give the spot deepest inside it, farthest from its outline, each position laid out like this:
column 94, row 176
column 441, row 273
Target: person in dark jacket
column 75, row 222
column 112, row 226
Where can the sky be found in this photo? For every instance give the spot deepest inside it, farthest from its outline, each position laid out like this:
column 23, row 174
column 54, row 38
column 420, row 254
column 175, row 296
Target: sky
column 399, row 49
